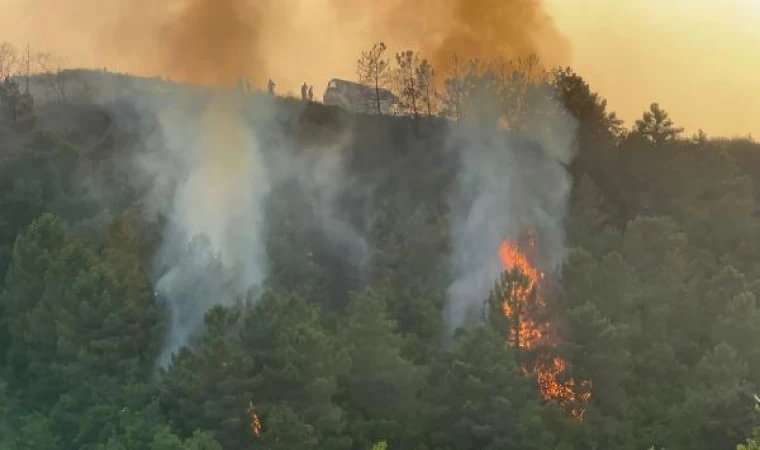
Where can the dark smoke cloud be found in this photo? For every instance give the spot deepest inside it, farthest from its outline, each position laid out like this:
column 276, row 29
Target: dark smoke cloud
column 484, row 29
column 292, row 41
column 492, row 29
column 212, row 42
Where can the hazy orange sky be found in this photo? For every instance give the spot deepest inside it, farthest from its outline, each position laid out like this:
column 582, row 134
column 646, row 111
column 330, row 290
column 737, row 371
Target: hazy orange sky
column 700, row 59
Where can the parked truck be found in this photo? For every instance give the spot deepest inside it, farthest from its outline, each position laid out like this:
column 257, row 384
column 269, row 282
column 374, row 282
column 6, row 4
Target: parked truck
column 358, row 97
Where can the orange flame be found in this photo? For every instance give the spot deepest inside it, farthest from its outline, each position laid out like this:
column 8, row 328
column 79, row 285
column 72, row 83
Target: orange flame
column 255, row 421
column 529, row 333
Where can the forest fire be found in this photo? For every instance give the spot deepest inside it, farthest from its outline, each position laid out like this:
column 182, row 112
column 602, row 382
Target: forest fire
column 529, row 332
column 255, row 421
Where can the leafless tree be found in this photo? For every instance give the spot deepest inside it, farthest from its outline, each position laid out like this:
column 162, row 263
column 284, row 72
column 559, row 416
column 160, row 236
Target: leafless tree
column 9, row 60
column 426, row 85
column 372, row 69
column 454, row 91
column 482, row 101
column 407, row 63
column 515, row 94
column 15, row 105
column 53, row 75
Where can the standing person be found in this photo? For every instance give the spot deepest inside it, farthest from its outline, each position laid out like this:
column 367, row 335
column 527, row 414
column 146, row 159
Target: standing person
column 304, row 89
column 311, row 93
column 270, row 87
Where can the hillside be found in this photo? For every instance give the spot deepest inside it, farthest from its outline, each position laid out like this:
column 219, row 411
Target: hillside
column 190, row 268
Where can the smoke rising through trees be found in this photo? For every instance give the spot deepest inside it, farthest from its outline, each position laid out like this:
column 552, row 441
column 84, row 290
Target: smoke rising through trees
column 294, row 268
column 210, row 183
column 210, row 163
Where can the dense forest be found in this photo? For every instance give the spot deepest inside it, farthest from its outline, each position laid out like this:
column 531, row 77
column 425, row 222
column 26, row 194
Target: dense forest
column 632, row 327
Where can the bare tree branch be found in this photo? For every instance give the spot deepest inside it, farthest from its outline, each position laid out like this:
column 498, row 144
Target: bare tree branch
column 373, row 69
column 9, row 60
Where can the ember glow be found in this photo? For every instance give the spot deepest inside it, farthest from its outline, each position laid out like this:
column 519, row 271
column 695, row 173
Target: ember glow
column 529, row 332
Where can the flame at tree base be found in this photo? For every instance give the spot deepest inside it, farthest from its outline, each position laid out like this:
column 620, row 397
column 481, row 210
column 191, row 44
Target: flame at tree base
column 255, row 421
column 569, row 394
column 523, row 305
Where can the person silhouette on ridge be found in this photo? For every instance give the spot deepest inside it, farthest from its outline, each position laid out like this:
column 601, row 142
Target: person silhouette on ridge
column 304, row 90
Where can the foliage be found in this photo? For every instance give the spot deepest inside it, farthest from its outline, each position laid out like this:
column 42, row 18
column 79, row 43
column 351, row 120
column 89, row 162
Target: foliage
column 751, row 444
column 656, row 126
column 414, row 81
column 655, row 303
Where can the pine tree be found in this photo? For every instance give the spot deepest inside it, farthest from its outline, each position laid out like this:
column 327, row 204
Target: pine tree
column 408, row 83
column 373, row 69
column 656, row 126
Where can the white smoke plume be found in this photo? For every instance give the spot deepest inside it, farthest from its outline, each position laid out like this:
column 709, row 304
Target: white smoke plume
column 211, row 163
column 322, row 177
column 207, row 177
column 506, row 183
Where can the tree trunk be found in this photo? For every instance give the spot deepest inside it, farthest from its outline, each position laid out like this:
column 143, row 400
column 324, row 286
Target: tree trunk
column 412, row 90
column 377, row 92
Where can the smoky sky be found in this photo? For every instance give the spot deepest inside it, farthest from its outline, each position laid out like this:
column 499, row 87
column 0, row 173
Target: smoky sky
column 484, row 29
column 694, row 46
column 201, row 41
column 218, row 41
